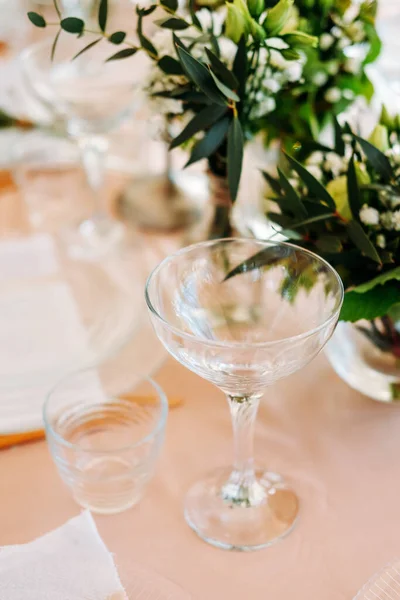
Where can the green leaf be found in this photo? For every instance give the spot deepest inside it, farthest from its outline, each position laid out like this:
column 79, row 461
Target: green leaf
column 222, row 71
column 192, row 11
column 353, row 191
column 144, row 12
column 72, row 25
column 295, row 204
column 239, row 69
column 36, row 19
column 87, row 48
column 210, row 142
column 378, row 160
column 268, row 257
column 311, row 220
column 170, row 66
column 224, row 89
column 172, row 23
column 201, row 121
column 103, row 13
column 117, row 37
column 144, row 41
column 171, row 5
column 362, row 241
column 370, row 305
column 375, row 44
column 315, row 188
column 125, row 53
column 235, row 156
column 200, row 75
column 380, row 280
column 54, row 45
column 339, row 143
column 272, row 182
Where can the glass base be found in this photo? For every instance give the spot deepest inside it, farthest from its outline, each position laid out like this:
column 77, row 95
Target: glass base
column 94, row 237
column 236, row 517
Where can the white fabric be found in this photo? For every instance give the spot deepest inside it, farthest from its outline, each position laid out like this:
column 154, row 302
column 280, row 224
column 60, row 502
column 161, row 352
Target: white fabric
column 69, row 563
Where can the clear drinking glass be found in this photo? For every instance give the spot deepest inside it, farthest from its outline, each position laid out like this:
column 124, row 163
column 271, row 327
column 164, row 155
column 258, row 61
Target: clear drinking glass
column 243, row 333
column 105, row 429
column 93, row 96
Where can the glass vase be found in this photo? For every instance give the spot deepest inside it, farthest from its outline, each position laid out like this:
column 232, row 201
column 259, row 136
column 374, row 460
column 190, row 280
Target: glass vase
column 366, row 355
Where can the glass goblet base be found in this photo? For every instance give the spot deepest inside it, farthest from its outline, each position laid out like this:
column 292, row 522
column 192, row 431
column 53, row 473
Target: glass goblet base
column 94, row 237
column 236, row 517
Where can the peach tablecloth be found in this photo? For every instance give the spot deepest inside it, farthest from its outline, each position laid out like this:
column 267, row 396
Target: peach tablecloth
column 341, row 451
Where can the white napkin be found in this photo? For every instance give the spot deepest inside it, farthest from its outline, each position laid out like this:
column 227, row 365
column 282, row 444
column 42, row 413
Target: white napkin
column 69, row 563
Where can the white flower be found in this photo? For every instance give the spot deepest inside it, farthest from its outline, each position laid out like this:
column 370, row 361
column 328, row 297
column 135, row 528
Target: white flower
column 396, row 220
column 277, row 43
column 294, row 71
column 215, row 19
column 228, row 50
column 263, row 105
column 348, row 94
column 336, row 31
column 271, row 85
column 334, row 163
column 315, row 171
column 344, row 42
column 277, row 60
column 369, row 215
column 387, row 220
column 332, row 67
column 205, row 18
column 164, row 42
column 319, row 78
column 381, row 241
column 352, row 64
column 316, row 158
column 333, row 95
column 325, row 41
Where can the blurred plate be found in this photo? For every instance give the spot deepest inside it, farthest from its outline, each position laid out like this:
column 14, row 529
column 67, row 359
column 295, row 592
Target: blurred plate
column 143, row 584
column 385, row 585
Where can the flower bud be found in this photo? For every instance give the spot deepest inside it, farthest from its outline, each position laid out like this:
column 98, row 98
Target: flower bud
column 237, row 22
column 257, row 31
column 256, row 7
column 380, row 138
column 277, row 17
column 289, row 54
column 300, row 40
column 386, row 119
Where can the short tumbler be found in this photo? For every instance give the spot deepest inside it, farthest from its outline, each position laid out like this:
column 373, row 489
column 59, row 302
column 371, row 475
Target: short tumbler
column 105, row 434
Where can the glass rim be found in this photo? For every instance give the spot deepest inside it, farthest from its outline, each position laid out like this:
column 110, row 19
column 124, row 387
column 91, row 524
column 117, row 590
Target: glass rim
column 156, row 429
column 236, row 344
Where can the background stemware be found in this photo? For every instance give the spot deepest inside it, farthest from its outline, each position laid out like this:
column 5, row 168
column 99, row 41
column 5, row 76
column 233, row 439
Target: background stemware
column 93, row 96
column 243, row 333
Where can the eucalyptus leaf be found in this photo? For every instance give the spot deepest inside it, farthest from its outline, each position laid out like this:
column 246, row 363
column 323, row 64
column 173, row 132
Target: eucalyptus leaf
column 272, row 182
column 239, row 69
column 210, row 142
column 125, row 53
column 311, row 220
column 172, row 23
column 353, row 191
column 329, row 243
column 222, row 71
column 37, row 19
column 87, row 48
column 201, row 121
column 224, row 88
column 194, row 17
column 296, row 205
column 117, row 37
column 315, row 188
column 72, row 25
column 171, row 5
column 362, row 241
column 235, row 156
column 378, row 160
column 394, row 274
column 103, row 14
column 339, row 143
column 372, row 304
column 144, row 41
column 170, row 66
column 268, row 257
column 200, row 75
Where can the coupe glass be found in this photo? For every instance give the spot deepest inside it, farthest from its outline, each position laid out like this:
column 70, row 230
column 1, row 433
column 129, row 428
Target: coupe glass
column 93, row 97
column 243, row 333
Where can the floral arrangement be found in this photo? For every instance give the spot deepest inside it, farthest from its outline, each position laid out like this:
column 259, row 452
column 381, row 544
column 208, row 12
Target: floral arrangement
column 207, row 65
column 344, row 204
column 334, row 71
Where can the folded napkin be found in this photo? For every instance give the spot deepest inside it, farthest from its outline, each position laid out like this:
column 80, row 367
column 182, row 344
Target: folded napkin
column 70, row 563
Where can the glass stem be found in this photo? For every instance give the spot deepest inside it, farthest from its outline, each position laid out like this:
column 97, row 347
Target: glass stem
column 242, row 487
column 94, row 152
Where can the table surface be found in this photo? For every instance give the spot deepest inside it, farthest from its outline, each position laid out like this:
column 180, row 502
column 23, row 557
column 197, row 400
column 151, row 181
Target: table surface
column 340, row 451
